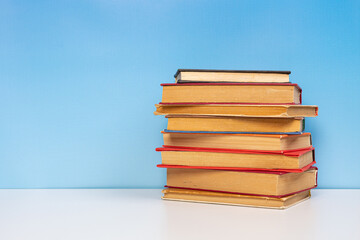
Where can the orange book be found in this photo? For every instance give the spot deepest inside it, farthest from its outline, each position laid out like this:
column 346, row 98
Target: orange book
column 201, row 196
column 225, row 124
column 265, row 142
column 231, row 158
column 256, row 183
column 237, row 110
column 276, row 93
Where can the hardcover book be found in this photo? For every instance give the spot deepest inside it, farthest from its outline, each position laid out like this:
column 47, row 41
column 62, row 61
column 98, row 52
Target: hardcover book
column 264, row 142
column 277, row 93
column 237, row 110
column 207, row 75
column 207, row 157
column 189, row 195
column 260, row 183
column 223, row 124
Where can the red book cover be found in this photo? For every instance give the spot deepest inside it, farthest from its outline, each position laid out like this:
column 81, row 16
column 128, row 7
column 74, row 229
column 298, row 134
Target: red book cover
column 291, row 153
column 257, row 170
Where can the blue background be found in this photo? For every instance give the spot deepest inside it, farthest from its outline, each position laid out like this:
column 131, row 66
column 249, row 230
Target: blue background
column 79, row 80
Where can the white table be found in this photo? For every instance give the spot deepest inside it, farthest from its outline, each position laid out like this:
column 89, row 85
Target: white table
column 141, row 214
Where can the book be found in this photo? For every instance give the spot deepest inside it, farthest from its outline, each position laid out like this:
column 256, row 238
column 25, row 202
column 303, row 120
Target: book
column 207, row 75
column 238, row 110
column 208, row 157
column 240, row 168
column 189, row 195
column 222, row 124
column 265, row 142
column 260, row 183
column 277, row 93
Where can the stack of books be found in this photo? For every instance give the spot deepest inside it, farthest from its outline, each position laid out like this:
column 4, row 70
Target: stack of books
column 236, row 137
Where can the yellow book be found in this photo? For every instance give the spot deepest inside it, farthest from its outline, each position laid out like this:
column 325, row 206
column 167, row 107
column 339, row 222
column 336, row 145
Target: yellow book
column 188, row 195
column 234, row 124
column 239, row 110
column 208, row 75
column 273, row 184
column 267, row 142
column 276, row 93
column 231, row 158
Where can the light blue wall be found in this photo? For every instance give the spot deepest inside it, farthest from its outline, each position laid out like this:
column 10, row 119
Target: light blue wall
column 79, row 80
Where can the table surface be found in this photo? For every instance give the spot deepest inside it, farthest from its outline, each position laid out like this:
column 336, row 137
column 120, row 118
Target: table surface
column 140, row 214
